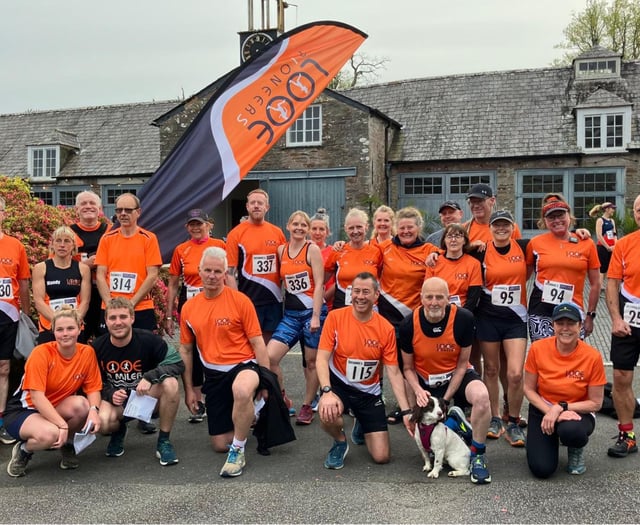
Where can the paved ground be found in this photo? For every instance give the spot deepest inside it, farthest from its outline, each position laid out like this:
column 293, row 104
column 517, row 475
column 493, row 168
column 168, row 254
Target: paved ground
column 291, row 485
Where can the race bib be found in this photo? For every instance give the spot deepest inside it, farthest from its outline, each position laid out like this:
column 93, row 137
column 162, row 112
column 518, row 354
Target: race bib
column 359, row 370
column 632, row 314
column 263, row 264
column 56, row 304
column 297, row 283
column 555, row 293
column 436, row 380
column 6, row 290
column 455, row 299
column 506, row 294
column 123, row 282
column 192, row 290
column 347, row 296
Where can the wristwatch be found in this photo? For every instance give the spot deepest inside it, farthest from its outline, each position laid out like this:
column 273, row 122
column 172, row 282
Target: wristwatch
column 592, row 314
column 325, row 389
column 564, row 405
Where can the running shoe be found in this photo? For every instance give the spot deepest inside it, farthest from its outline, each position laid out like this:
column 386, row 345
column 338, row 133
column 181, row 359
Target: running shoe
column 305, row 417
column 146, row 428
column 335, row 457
column 17, row 465
column 314, row 403
column 357, row 434
column 515, row 435
column 200, row 414
column 235, row 463
column 69, row 459
column 115, row 448
column 166, row 453
column 625, row 445
column 479, row 470
column 457, row 422
column 576, row 460
column 495, row 428
column 522, row 422
column 5, row 437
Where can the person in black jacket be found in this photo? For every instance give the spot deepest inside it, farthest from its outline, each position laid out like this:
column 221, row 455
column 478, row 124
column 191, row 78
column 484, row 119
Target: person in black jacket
column 136, row 359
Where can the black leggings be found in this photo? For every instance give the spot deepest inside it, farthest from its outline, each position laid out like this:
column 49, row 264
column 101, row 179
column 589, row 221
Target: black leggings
column 542, row 449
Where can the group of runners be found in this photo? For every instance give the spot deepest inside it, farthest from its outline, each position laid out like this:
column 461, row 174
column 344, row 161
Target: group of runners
column 448, row 316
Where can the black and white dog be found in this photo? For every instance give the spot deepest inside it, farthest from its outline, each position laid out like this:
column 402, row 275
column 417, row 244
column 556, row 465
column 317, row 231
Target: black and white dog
column 431, row 434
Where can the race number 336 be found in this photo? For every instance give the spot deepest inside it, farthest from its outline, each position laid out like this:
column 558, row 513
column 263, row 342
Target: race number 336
column 359, row 370
column 123, row 282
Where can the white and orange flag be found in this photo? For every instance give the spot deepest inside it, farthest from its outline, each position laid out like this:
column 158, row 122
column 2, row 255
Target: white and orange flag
column 248, row 114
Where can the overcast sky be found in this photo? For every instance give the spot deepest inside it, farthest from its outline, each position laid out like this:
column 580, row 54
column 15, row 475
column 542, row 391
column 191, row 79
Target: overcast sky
column 77, row 53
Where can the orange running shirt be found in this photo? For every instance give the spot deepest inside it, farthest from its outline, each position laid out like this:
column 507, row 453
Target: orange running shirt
column 401, row 279
column 482, row 232
column 348, row 263
column 625, row 265
column 563, row 263
column 186, row 259
column 252, row 250
column 220, row 328
column 565, row 378
column 436, row 353
column 14, row 267
column 505, row 270
column 297, row 276
column 358, row 349
column 460, row 274
column 47, row 371
column 127, row 260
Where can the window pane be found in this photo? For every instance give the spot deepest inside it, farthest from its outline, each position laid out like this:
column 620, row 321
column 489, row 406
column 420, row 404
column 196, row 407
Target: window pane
column 592, row 188
column 44, row 196
column 67, row 198
column 423, row 185
column 307, row 129
column 460, row 185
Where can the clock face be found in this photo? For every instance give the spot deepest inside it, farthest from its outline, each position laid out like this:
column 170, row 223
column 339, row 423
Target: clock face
column 254, row 44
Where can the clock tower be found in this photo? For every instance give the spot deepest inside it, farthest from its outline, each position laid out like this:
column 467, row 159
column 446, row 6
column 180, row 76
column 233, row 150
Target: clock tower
column 259, row 35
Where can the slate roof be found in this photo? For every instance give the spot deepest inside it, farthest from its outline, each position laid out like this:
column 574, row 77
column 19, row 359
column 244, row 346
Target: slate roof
column 519, row 113
column 110, row 140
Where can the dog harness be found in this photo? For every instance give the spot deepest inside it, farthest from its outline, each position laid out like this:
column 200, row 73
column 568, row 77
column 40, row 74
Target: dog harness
column 425, row 434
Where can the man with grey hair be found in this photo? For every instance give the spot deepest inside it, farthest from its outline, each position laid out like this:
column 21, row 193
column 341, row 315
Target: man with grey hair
column 229, row 339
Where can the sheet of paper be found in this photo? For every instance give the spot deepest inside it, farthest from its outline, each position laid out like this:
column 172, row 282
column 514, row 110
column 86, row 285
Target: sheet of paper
column 140, row 407
column 84, row 438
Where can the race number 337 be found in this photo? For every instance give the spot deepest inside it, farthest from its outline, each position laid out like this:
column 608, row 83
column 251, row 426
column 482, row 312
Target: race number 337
column 263, row 264
column 123, row 282
column 359, row 370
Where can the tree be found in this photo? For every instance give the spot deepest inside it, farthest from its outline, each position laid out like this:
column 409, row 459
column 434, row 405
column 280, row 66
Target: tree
column 614, row 25
column 361, row 69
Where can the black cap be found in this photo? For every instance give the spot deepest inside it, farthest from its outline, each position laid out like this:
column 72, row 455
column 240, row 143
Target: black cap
column 503, row 215
column 197, row 215
column 449, row 204
column 566, row 310
column 481, row 191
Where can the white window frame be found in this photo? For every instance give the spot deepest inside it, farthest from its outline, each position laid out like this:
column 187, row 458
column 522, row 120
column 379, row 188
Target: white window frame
column 568, row 189
column 49, row 170
column 602, row 114
column 597, row 68
column 309, row 122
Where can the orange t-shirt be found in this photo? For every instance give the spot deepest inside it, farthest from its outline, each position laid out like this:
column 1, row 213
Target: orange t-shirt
column 252, row 249
column 348, row 263
column 459, row 273
column 563, row 262
column 297, row 276
column 482, row 232
column 624, row 266
column 565, row 378
column 127, row 260
column 358, row 348
column 401, row 279
column 186, row 259
column 58, row 377
column 220, row 328
column 14, row 267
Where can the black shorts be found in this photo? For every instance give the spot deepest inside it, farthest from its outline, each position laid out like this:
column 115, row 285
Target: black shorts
column 8, row 333
column 218, row 392
column 367, row 408
column 625, row 351
column 269, row 316
column 494, row 329
column 14, row 417
column 459, row 397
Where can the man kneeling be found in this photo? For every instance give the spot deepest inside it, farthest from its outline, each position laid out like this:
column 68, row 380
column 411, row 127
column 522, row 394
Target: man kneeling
column 135, row 359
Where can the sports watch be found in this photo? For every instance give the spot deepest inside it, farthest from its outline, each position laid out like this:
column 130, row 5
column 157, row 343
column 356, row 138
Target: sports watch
column 564, row 405
column 325, row 389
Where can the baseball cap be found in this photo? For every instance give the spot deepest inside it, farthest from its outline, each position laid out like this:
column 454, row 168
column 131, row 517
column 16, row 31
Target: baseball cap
column 197, row 215
column 481, row 191
column 566, row 310
column 503, row 215
column 449, row 204
column 555, row 206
